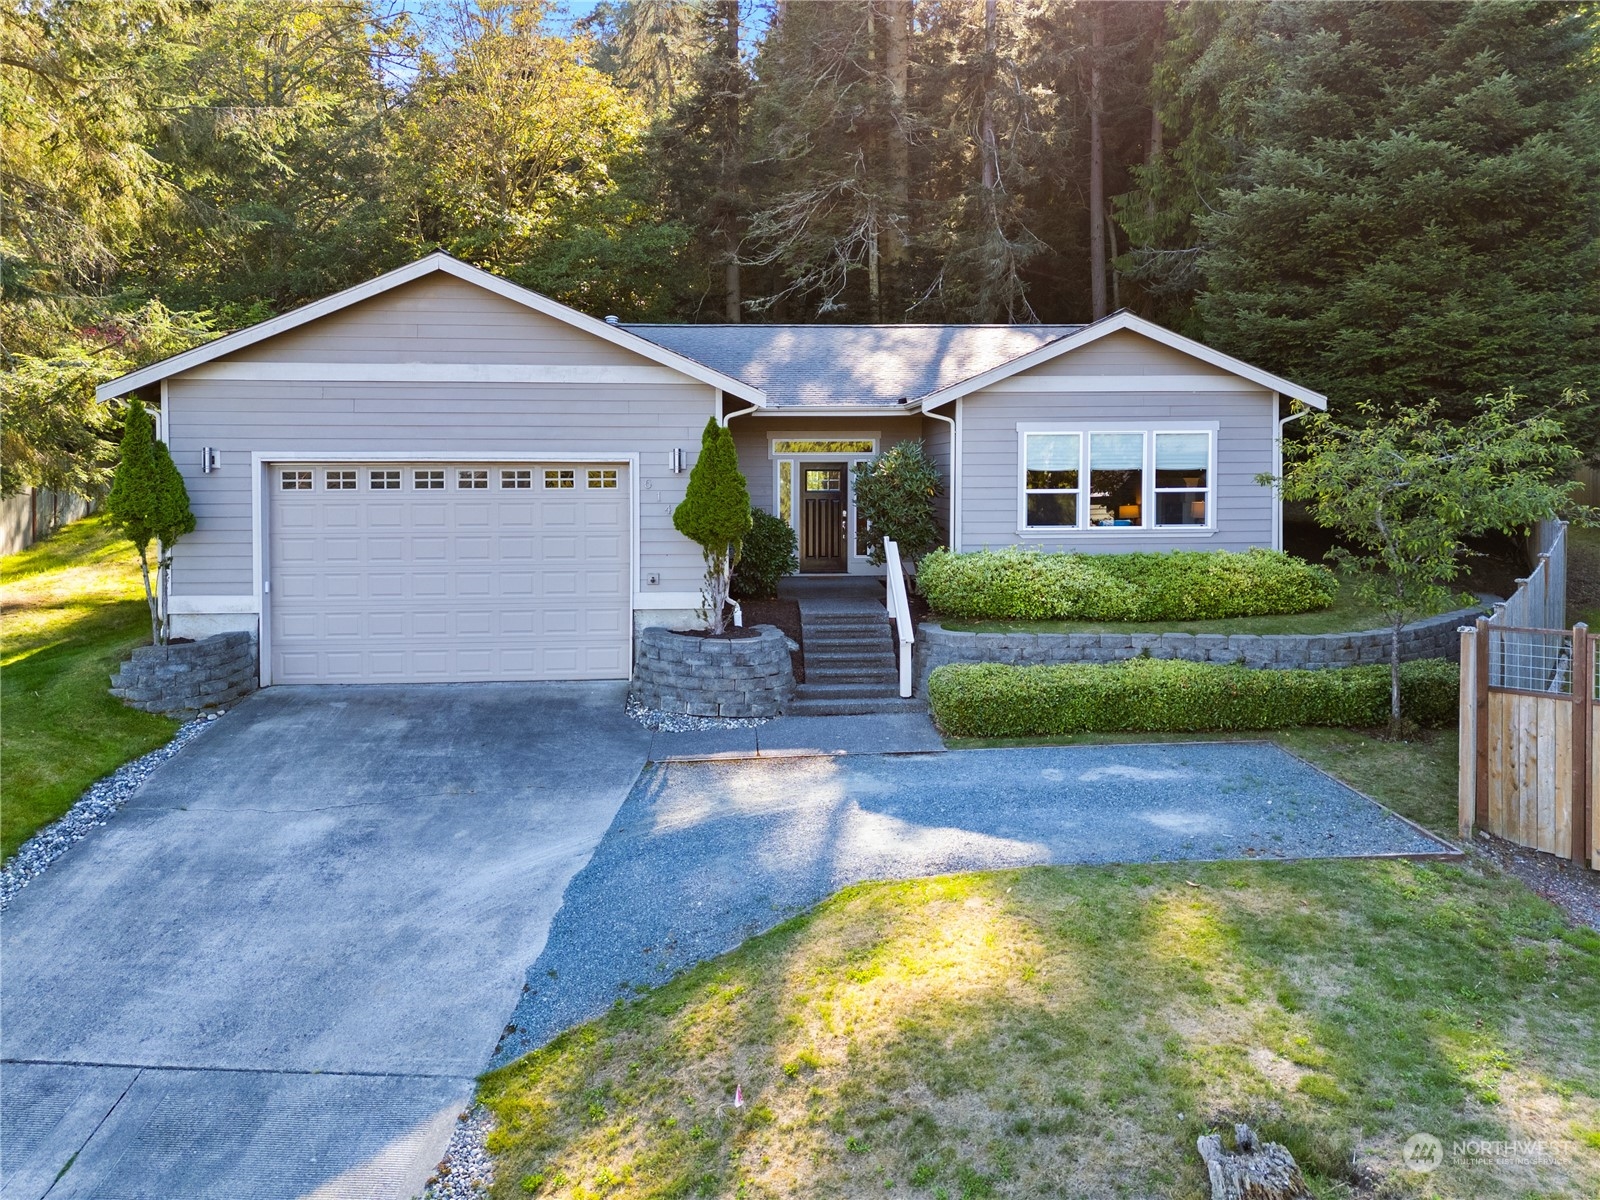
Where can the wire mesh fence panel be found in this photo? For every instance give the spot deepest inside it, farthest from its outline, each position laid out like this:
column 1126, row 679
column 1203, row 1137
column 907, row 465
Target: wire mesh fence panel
column 1531, row 660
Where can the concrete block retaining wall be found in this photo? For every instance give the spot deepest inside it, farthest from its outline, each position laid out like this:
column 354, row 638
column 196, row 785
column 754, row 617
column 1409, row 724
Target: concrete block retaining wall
column 189, row 676
column 713, row 677
column 1435, row 637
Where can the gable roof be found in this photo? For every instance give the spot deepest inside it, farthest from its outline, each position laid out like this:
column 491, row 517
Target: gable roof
column 437, row 262
column 1117, row 321
column 875, row 366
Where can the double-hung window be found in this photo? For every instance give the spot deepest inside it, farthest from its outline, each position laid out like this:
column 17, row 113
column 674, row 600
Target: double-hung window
column 1051, row 478
column 1183, row 478
column 1119, row 479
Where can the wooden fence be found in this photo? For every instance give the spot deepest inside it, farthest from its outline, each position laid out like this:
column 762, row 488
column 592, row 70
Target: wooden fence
column 1529, row 771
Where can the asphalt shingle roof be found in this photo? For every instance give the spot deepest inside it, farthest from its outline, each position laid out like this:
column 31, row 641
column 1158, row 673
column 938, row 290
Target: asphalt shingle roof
column 809, row 365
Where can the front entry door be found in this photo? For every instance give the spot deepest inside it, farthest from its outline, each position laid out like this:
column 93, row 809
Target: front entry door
column 822, row 516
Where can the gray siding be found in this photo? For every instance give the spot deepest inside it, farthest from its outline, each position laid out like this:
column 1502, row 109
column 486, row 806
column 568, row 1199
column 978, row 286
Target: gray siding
column 750, row 435
column 991, row 473
column 239, row 418
column 938, row 438
column 1125, row 353
column 438, row 318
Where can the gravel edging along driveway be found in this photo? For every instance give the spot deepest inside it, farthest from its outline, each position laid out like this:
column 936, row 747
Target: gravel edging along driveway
column 94, row 808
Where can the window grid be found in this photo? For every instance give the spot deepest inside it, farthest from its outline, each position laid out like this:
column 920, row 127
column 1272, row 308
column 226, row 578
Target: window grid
column 560, row 478
column 472, row 480
column 605, row 477
column 516, row 479
column 428, row 481
column 296, row 481
column 340, row 481
column 1173, row 478
column 384, row 481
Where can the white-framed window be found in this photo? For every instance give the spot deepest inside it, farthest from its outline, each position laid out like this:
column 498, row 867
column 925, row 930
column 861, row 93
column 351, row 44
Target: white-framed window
column 602, row 477
column 1182, row 478
column 429, row 480
column 384, row 481
column 560, row 477
column 516, row 479
column 295, row 481
column 472, row 479
column 1116, row 479
column 340, row 481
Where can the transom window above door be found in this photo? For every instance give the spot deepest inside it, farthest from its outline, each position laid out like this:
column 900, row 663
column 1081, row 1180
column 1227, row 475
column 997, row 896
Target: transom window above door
column 824, row 445
column 1116, row 479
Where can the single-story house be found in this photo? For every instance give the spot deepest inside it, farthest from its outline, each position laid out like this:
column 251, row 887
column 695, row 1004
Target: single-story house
column 440, row 476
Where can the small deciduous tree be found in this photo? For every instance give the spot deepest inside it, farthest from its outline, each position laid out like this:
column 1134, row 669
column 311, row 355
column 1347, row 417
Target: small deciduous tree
column 715, row 514
column 148, row 502
column 1403, row 492
column 897, row 493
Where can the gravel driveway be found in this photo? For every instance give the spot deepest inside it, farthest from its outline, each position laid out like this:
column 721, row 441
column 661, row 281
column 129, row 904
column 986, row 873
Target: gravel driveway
column 704, row 854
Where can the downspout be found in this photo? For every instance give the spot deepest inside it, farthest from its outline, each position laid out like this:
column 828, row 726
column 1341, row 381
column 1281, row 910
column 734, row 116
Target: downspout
column 724, row 419
column 950, row 531
column 738, row 612
column 1277, row 475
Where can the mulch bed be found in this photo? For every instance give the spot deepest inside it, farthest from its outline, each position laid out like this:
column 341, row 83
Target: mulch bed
column 785, row 614
column 1573, row 889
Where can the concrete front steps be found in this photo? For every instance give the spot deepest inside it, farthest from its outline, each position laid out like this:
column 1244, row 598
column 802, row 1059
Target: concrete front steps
column 850, row 667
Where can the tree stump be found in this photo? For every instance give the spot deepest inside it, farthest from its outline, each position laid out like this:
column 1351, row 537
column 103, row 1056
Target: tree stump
column 1255, row 1170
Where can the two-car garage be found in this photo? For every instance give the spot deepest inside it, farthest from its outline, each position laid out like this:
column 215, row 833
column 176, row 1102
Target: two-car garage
column 447, row 571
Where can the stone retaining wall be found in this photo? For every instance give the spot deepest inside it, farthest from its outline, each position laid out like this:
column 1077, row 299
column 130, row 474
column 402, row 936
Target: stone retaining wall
column 1435, row 637
column 713, row 677
column 184, row 678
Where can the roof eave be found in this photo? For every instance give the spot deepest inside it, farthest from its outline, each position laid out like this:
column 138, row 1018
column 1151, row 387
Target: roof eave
column 438, row 261
column 1112, row 324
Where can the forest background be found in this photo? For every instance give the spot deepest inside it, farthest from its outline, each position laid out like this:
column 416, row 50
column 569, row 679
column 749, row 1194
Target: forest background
column 1386, row 201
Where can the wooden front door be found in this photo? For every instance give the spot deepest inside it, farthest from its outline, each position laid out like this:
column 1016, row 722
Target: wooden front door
column 822, row 516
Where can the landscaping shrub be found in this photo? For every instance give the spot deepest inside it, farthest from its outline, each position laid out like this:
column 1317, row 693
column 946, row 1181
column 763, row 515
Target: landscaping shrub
column 1150, row 695
column 1181, row 585
column 769, row 553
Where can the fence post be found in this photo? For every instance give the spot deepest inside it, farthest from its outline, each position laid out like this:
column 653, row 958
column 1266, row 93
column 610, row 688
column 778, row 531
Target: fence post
column 1582, row 732
column 1480, row 791
column 1467, row 755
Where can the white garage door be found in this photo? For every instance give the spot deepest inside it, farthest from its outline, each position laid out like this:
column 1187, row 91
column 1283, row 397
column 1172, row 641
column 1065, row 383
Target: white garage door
column 442, row 572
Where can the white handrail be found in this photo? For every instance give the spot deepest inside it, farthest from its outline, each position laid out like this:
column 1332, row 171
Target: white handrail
column 900, row 610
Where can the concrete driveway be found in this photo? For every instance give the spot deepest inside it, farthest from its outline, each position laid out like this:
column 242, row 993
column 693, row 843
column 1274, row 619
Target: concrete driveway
column 277, row 971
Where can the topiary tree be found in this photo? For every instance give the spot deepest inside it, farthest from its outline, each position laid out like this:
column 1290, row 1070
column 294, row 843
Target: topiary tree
column 769, row 553
column 897, row 493
column 148, row 502
column 715, row 514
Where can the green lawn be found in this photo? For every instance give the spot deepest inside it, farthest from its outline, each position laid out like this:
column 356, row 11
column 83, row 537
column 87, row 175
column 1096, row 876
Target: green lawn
column 1347, row 615
column 1583, row 576
column 1070, row 1031
column 70, row 610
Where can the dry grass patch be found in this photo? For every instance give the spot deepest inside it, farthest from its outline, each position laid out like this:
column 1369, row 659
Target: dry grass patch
column 1071, row 1031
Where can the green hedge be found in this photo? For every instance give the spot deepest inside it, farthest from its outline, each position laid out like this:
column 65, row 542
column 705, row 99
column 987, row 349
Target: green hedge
column 1151, row 695
column 1182, row 585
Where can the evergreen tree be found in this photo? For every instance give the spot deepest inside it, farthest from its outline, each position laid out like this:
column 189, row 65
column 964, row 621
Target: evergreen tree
column 148, row 502
column 1418, row 212
column 715, row 515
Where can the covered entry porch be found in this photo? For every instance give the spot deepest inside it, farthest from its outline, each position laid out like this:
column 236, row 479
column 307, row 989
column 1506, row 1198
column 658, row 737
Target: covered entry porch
column 801, row 469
